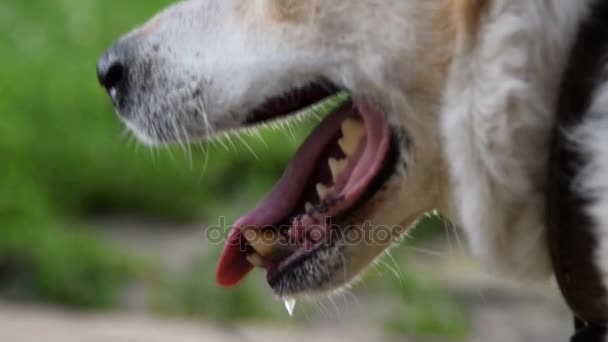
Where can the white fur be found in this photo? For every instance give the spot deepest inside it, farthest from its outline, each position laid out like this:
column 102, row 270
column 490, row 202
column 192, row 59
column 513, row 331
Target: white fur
column 592, row 138
column 214, row 62
column 479, row 136
column 499, row 109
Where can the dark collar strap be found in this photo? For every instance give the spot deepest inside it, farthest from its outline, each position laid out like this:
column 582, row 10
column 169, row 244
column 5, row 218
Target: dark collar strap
column 571, row 239
column 589, row 332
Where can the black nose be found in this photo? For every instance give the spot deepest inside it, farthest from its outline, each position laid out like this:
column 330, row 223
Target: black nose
column 112, row 71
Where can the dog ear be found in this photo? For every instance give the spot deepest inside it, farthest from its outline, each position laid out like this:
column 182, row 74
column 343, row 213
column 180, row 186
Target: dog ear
column 467, row 17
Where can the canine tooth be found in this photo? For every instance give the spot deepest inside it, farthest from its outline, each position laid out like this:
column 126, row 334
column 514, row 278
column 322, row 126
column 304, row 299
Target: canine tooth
column 353, row 127
column 256, row 260
column 308, row 207
column 337, row 167
column 352, row 132
column 323, row 191
column 348, row 146
column 263, row 242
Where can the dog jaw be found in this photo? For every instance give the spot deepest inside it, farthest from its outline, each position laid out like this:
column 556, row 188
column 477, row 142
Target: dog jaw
column 200, row 67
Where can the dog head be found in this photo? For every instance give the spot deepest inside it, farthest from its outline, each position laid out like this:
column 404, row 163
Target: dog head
column 366, row 174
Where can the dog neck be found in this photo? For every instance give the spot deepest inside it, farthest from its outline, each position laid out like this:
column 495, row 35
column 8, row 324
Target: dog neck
column 499, row 108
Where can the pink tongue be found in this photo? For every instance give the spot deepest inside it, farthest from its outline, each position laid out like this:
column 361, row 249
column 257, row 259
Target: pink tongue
column 281, row 201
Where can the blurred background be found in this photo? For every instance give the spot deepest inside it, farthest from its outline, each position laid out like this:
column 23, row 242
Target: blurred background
column 102, row 239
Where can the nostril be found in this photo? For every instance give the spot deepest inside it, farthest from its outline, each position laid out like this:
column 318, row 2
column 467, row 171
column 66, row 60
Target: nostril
column 112, row 69
column 114, row 72
column 114, row 76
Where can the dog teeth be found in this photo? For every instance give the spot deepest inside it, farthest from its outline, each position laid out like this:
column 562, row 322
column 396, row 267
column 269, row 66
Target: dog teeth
column 348, row 149
column 256, row 260
column 323, row 191
column 352, row 132
column 264, row 243
column 337, row 167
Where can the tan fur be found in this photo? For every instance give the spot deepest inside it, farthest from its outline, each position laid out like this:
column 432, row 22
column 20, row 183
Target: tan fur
column 468, row 85
column 290, row 11
column 283, row 11
column 467, row 17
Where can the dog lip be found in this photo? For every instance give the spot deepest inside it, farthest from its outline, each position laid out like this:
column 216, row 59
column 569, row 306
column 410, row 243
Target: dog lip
column 291, row 102
column 281, row 201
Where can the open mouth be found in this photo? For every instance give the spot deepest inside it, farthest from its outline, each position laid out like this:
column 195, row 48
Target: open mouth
column 341, row 165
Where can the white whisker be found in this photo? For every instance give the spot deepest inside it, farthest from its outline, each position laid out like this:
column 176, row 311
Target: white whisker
column 220, row 140
column 206, row 159
column 244, row 142
column 229, row 138
column 393, row 270
column 427, row 252
column 188, row 147
column 395, row 267
column 256, row 133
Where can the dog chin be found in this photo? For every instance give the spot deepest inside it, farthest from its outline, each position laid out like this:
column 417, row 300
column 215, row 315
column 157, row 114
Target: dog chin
column 142, row 135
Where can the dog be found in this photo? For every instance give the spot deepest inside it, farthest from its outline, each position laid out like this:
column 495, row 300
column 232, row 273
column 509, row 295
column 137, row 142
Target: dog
column 450, row 107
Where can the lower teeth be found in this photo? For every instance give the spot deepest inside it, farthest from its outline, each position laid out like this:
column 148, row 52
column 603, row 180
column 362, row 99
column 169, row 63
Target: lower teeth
column 270, row 243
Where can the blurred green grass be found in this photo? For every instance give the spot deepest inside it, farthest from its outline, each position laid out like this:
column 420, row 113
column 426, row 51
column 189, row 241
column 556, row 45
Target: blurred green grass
column 64, row 156
column 59, row 130
column 418, row 306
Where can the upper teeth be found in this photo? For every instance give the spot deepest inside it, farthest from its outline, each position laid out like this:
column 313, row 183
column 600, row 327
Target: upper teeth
column 337, row 167
column 352, row 132
column 265, row 243
column 323, row 191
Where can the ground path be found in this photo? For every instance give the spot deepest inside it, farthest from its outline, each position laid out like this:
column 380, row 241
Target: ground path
column 501, row 312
